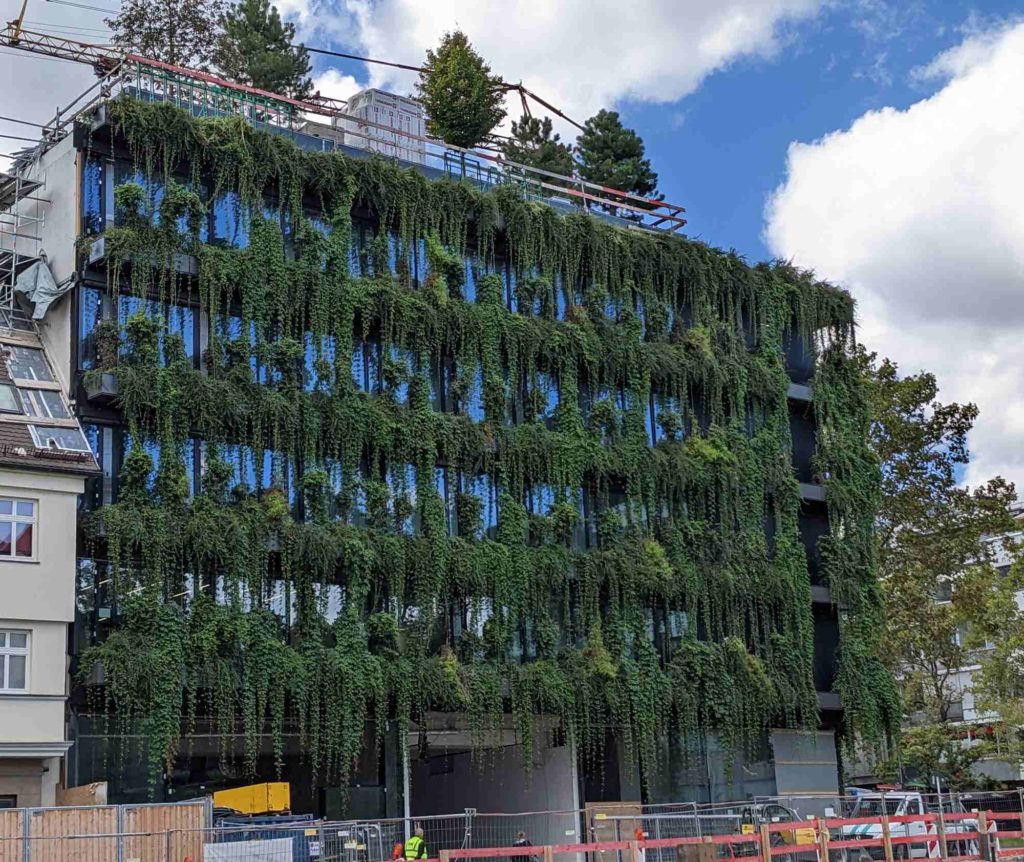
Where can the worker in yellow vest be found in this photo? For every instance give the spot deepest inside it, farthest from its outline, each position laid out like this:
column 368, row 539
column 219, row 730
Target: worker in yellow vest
column 415, row 846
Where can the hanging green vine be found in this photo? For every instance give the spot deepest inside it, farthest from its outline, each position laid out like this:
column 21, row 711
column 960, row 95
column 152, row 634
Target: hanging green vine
column 550, row 612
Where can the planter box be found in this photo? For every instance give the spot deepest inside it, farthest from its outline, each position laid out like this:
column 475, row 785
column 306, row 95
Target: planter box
column 101, row 388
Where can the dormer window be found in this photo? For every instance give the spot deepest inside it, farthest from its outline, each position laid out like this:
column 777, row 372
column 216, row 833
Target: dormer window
column 44, row 404
column 28, row 363
column 61, row 439
column 10, row 402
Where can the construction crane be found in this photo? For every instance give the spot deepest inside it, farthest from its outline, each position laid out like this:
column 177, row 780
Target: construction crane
column 102, row 58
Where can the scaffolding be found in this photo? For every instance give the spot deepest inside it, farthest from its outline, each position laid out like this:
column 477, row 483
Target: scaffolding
column 21, row 225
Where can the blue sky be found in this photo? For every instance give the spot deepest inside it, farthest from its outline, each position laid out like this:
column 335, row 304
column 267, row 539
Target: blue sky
column 722, row 150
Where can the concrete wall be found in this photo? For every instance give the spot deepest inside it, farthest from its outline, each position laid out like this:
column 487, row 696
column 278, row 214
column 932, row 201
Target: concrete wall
column 39, row 597
column 38, row 715
column 33, row 781
column 499, row 784
column 805, row 762
column 44, row 588
column 59, row 206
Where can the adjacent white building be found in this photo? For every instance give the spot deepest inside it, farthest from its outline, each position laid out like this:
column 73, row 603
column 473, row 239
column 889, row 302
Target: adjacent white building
column 44, row 462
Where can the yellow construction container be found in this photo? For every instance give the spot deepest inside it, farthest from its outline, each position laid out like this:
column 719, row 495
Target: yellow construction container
column 273, row 797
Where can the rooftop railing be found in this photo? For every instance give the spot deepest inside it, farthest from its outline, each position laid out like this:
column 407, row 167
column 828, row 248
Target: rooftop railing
column 325, row 124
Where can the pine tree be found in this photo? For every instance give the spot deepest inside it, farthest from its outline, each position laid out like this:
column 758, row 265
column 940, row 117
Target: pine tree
column 180, row 32
column 532, row 143
column 255, row 48
column 462, row 99
column 612, row 155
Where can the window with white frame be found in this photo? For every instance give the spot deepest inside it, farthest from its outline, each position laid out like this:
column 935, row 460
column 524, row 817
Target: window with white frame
column 59, row 438
column 17, row 528
column 13, row 661
column 9, row 400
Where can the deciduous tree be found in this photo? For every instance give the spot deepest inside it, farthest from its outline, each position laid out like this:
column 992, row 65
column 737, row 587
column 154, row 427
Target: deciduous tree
column 936, row 561
column 180, row 32
column 462, row 99
column 935, row 554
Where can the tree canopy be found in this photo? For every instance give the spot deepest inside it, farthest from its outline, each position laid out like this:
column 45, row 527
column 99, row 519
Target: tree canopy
column 180, row 32
column 463, row 101
column 613, row 155
column 255, row 47
column 936, row 560
column 534, row 143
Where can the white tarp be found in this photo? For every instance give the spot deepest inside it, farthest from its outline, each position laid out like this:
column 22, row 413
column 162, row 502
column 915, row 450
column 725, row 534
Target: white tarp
column 38, row 286
column 264, row 850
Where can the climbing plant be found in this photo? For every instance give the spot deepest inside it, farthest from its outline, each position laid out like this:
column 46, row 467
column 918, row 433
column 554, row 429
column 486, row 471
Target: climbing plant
column 606, row 410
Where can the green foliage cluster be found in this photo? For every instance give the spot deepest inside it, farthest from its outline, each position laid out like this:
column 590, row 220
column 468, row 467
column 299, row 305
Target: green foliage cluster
column 533, row 142
column 462, row 99
column 255, row 47
column 688, row 534
column 612, row 155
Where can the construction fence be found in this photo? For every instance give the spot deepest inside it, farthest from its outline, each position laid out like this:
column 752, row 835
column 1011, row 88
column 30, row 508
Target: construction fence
column 946, row 827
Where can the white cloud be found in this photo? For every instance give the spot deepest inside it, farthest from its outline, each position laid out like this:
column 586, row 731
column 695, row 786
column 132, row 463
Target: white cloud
column 336, row 85
column 580, row 54
column 960, row 59
column 918, row 212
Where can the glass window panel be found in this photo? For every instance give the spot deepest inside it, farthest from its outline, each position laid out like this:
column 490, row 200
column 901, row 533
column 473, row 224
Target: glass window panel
column 9, row 402
column 230, row 224
column 28, row 363
column 392, row 252
column 541, row 498
column 3, row 639
column 16, row 671
column 6, row 507
column 355, row 268
column 25, row 508
column 473, row 402
column 181, row 321
column 511, row 282
column 405, row 360
column 125, row 172
column 90, row 310
column 52, row 404
column 560, row 304
column 359, row 366
column 65, row 439
column 5, row 538
column 92, row 195
column 23, row 540
column 421, row 261
column 313, row 376
column 548, row 392
column 18, row 640
column 484, row 488
column 469, row 285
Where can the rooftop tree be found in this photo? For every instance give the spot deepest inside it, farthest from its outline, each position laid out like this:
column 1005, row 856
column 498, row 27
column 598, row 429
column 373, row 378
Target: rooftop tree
column 180, row 32
column 612, row 155
column 534, row 143
column 462, row 99
column 255, row 47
